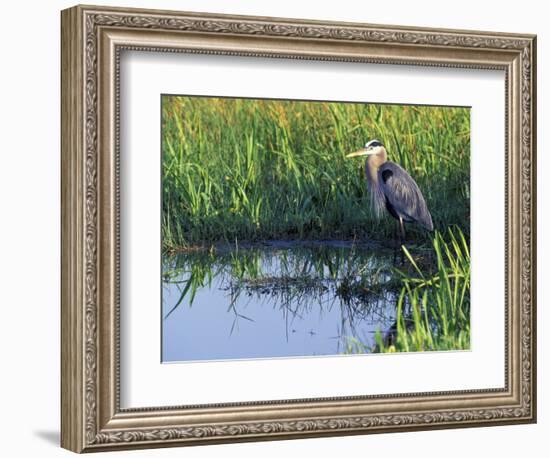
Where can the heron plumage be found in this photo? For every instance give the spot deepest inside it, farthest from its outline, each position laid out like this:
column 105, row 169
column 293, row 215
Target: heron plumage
column 404, row 195
column 392, row 188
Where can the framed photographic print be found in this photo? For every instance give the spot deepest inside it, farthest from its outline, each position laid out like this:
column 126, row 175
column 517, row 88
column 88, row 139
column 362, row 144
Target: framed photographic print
column 277, row 228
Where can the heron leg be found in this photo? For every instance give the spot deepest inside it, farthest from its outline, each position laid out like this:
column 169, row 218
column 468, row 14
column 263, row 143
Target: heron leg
column 395, row 247
column 402, row 239
column 396, row 244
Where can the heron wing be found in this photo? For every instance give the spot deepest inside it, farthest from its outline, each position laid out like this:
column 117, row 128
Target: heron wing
column 403, row 194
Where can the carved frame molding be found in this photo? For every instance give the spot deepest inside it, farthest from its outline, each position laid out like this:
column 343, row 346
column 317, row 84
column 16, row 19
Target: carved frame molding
column 92, row 39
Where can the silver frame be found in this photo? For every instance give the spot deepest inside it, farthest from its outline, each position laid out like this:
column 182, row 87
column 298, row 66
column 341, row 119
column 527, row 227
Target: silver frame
column 92, row 40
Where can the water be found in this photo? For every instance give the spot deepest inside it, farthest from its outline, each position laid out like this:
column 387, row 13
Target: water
column 277, row 299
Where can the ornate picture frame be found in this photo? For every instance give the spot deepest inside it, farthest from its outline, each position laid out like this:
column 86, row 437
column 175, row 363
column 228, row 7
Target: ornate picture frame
column 93, row 39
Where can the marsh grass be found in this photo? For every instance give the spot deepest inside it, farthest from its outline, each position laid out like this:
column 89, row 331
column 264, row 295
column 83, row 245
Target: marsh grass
column 433, row 309
column 244, row 169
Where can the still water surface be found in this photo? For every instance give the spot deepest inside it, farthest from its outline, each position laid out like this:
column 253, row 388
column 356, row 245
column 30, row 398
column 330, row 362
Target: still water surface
column 275, row 299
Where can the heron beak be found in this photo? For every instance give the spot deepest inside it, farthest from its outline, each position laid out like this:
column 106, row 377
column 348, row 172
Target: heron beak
column 361, row 152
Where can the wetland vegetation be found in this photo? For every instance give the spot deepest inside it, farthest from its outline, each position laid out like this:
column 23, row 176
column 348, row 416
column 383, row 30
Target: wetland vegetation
column 270, row 247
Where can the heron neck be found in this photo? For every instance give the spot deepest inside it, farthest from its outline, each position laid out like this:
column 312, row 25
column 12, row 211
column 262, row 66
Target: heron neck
column 371, row 172
column 376, row 194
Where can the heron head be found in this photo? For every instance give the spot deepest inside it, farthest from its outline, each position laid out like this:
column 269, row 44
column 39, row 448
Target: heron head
column 371, row 148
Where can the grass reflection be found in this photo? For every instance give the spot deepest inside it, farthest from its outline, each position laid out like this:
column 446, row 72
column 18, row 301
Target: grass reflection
column 421, row 304
column 297, row 280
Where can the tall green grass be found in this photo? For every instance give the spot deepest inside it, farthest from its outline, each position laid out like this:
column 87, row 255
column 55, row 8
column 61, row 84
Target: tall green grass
column 237, row 169
column 433, row 310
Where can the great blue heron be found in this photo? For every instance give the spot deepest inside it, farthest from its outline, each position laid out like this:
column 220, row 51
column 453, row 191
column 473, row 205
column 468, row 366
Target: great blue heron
column 392, row 188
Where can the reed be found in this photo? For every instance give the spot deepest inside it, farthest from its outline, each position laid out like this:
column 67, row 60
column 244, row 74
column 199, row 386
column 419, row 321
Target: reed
column 433, row 310
column 238, row 169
